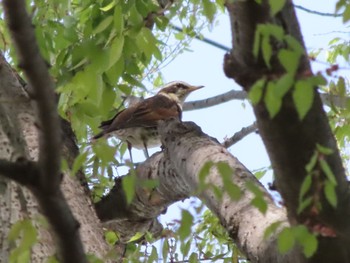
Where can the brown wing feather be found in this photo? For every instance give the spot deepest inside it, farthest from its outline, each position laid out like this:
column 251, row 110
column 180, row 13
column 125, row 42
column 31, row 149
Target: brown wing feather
column 143, row 114
column 150, row 111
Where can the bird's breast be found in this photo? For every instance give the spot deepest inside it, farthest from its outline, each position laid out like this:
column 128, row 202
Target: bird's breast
column 139, row 136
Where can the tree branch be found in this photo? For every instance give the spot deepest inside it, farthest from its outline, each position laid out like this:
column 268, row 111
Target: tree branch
column 23, row 171
column 177, row 170
column 327, row 99
column 291, row 142
column 46, row 187
column 38, row 77
column 240, row 135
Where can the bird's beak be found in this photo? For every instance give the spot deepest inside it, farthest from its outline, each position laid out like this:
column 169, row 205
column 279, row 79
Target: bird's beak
column 193, row 88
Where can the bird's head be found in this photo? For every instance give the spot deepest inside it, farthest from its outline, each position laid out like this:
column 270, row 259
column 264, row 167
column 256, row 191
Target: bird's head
column 178, row 90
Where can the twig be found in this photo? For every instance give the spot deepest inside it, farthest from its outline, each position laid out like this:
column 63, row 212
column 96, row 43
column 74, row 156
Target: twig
column 200, row 104
column 316, row 12
column 38, row 77
column 240, row 135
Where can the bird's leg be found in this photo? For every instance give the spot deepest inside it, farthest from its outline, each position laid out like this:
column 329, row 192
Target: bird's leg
column 146, row 150
column 129, row 149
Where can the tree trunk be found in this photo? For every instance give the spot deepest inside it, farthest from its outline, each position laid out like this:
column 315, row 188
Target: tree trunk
column 19, row 140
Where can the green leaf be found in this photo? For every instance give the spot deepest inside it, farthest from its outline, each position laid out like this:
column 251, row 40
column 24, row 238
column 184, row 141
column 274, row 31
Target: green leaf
column 111, row 237
column 276, row 6
column 165, row 250
column 306, row 239
column 272, row 101
column 303, row 97
column 289, row 60
column 103, row 25
column 304, row 203
column 128, row 184
column 260, row 203
column 203, row 173
column 209, row 10
column 185, row 228
column 109, row 6
column 311, row 165
column 118, row 20
column 256, row 91
column 115, row 51
column 305, row 186
column 257, row 40
column 78, row 162
column 346, row 14
column 330, row 193
column 324, row 150
column 153, row 257
column 283, row 85
column 136, row 237
column 328, row 171
column 271, row 229
column 266, row 50
column 285, row 240
column 193, row 258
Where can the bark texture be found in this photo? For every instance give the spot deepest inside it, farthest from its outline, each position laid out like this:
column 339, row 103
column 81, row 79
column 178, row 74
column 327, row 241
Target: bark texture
column 290, row 142
column 19, row 142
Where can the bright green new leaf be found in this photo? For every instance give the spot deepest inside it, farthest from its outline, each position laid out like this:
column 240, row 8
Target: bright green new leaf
column 289, row 60
column 109, row 6
column 260, row 203
column 303, row 97
column 185, row 228
column 304, row 203
column 328, row 171
column 153, row 257
column 271, row 229
column 346, row 14
column 330, row 193
column 285, row 240
column 111, row 237
column 276, row 6
column 115, row 51
column 209, row 9
column 305, row 186
column 310, row 166
column 256, row 91
column 306, row 239
column 324, row 150
column 129, row 183
column 135, row 237
column 79, row 161
column 283, row 85
column 193, row 258
column 266, row 50
column 272, row 101
column 118, row 20
column 165, row 250
column 103, row 25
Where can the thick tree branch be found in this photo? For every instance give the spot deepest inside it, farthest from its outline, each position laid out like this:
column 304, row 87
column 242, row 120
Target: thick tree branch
column 23, row 172
column 240, row 135
column 38, row 77
column 290, row 142
column 187, row 149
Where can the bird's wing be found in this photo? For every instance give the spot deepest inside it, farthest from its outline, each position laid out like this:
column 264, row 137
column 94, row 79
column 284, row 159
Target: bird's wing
column 147, row 113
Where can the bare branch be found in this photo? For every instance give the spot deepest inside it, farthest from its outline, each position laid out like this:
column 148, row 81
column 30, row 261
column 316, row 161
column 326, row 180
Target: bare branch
column 327, row 99
column 316, row 12
column 37, row 74
column 240, row 135
column 216, row 100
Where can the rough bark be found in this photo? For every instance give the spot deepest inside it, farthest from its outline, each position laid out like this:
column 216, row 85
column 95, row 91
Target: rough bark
column 290, row 142
column 19, row 141
column 187, row 149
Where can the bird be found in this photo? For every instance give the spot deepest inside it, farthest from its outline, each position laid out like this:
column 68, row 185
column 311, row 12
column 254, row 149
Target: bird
column 137, row 124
